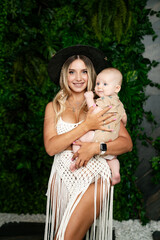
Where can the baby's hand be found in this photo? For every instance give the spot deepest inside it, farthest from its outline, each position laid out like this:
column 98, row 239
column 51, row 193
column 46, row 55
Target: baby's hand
column 89, row 95
column 89, row 98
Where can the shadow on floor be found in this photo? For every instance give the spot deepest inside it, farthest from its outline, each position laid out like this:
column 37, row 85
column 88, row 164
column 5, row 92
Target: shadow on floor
column 22, row 231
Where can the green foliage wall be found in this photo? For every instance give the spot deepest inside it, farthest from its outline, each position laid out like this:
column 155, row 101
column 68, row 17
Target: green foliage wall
column 31, row 31
column 155, row 161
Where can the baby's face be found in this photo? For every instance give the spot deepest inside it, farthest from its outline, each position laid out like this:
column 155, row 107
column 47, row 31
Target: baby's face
column 105, row 85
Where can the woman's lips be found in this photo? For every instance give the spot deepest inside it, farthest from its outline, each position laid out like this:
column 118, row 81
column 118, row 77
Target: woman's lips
column 78, row 84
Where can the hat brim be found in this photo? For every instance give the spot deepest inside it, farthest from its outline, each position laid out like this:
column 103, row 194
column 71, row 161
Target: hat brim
column 95, row 55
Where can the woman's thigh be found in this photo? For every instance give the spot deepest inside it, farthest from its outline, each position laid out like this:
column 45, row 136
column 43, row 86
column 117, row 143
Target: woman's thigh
column 83, row 215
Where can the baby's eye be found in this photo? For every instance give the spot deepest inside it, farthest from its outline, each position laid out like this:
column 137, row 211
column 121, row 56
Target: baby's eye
column 105, row 84
column 97, row 83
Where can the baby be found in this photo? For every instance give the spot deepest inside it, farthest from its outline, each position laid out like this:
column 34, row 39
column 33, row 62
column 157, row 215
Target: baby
column 108, row 84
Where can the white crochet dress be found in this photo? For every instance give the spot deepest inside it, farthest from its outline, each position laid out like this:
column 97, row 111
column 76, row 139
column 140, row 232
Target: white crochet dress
column 66, row 188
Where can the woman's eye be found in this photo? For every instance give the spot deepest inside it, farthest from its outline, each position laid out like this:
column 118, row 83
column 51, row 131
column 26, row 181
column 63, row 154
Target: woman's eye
column 71, row 72
column 85, row 71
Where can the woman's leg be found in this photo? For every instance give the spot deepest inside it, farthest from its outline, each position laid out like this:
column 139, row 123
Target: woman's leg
column 83, row 215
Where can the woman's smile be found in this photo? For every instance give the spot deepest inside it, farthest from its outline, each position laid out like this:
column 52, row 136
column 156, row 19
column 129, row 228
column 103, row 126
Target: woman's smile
column 78, row 84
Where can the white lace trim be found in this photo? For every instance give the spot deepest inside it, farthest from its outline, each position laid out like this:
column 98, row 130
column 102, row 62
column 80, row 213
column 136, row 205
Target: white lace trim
column 63, row 127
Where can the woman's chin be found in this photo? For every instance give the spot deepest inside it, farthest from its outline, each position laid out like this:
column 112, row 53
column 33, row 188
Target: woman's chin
column 78, row 89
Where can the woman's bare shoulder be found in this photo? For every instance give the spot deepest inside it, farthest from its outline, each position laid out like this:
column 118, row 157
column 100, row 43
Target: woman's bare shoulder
column 49, row 106
column 49, row 113
column 49, row 121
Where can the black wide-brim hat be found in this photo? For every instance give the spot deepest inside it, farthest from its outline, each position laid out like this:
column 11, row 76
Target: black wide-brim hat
column 96, row 56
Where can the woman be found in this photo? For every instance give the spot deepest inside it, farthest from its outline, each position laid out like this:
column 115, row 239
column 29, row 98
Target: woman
column 75, row 200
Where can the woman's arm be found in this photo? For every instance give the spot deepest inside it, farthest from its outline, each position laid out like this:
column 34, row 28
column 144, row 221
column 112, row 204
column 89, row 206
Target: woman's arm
column 56, row 143
column 119, row 146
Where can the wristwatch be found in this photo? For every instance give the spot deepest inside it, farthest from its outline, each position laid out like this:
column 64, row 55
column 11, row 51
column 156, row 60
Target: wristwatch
column 103, row 148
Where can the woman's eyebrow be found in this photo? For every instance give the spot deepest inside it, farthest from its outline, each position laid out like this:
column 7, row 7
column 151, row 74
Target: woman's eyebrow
column 84, row 69
column 74, row 69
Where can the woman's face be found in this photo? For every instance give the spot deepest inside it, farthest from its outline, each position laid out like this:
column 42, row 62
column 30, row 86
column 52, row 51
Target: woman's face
column 77, row 76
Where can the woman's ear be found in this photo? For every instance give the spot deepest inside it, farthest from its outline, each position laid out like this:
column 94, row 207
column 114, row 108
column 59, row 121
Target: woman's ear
column 117, row 89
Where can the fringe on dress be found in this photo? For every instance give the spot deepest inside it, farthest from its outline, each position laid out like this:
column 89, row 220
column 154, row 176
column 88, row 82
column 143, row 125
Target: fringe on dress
column 66, row 188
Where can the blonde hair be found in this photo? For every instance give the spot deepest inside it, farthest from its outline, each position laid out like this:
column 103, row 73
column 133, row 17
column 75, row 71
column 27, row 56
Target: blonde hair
column 65, row 92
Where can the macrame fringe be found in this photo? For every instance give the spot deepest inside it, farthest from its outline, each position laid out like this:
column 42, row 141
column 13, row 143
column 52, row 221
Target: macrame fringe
column 61, row 204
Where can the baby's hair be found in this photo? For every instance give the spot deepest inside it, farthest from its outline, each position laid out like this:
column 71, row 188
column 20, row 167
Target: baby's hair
column 118, row 74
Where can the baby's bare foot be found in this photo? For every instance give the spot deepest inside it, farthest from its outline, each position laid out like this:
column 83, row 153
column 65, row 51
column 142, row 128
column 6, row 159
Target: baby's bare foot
column 73, row 167
column 116, row 178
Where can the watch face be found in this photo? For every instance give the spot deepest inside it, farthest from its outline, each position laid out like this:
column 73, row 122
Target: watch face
column 103, row 147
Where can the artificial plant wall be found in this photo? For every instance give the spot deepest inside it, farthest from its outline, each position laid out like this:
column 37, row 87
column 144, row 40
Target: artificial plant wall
column 31, row 31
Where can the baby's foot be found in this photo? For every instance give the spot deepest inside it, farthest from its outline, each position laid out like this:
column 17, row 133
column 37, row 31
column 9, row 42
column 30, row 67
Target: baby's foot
column 116, row 178
column 73, row 167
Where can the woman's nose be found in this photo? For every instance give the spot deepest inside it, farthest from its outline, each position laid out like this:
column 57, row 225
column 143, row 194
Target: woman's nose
column 78, row 77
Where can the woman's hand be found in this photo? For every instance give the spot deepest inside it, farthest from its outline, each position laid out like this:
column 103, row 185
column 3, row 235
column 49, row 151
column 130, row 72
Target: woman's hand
column 85, row 153
column 96, row 121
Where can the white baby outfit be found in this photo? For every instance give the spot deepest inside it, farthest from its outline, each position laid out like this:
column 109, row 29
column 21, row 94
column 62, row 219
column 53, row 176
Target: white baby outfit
column 66, row 188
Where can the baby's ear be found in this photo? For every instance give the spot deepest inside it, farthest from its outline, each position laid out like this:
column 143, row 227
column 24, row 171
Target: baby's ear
column 117, row 89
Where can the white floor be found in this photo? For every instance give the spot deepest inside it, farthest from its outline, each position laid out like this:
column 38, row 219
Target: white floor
column 133, row 230
column 125, row 230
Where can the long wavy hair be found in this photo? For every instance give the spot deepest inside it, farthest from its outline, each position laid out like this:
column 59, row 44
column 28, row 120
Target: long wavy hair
column 65, row 92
